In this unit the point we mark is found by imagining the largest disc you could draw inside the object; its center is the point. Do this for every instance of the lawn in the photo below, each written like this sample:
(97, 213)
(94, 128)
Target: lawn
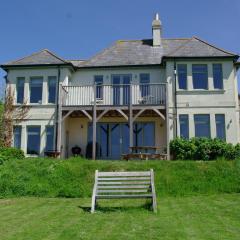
(193, 217)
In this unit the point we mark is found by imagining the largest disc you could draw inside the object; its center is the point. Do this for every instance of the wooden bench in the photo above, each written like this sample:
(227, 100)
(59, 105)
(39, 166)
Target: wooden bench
(110, 185)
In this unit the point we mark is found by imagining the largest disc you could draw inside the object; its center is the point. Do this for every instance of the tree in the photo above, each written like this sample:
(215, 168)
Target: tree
(1, 123)
(12, 115)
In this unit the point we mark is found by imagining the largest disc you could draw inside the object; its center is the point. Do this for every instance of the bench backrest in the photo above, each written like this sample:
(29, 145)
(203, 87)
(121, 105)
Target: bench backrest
(123, 184)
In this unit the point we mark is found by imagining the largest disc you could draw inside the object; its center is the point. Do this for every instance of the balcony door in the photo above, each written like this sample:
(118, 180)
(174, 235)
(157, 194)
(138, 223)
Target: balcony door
(121, 89)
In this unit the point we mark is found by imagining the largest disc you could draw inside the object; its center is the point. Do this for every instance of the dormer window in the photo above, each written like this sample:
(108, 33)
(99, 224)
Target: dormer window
(36, 85)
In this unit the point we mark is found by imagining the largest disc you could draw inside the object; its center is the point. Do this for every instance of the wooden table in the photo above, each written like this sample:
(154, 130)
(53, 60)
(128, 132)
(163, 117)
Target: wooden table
(145, 149)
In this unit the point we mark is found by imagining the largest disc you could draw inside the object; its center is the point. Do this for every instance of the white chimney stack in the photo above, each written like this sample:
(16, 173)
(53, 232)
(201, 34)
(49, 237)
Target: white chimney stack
(157, 31)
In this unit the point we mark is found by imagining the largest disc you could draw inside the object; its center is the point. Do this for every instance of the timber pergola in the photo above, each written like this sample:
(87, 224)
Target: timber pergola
(96, 111)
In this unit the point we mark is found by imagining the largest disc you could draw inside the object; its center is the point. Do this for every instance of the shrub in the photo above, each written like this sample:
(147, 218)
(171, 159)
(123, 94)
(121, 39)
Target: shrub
(10, 153)
(203, 149)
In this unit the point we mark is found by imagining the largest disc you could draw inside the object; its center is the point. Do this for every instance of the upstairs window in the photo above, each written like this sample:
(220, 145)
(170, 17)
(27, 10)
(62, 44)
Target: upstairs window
(49, 138)
(17, 133)
(182, 76)
(200, 76)
(33, 140)
(52, 89)
(144, 84)
(220, 126)
(20, 89)
(99, 88)
(217, 76)
(36, 89)
(202, 125)
(184, 126)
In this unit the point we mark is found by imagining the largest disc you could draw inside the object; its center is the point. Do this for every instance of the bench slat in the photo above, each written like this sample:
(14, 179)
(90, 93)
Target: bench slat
(124, 196)
(124, 183)
(123, 187)
(123, 191)
(123, 178)
(133, 174)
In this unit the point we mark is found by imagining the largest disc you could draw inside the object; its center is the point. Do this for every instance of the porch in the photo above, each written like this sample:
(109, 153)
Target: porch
(111, 116)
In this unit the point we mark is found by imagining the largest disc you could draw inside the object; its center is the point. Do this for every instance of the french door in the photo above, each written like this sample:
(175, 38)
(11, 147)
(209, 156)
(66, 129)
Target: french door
(113, 138)
(121, 89)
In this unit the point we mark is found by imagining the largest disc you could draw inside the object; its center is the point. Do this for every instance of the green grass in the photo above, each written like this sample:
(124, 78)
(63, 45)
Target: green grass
(193, 217)
(74, 177)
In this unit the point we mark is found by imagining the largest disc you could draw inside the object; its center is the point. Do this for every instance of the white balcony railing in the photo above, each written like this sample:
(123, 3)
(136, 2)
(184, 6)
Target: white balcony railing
(139, 94)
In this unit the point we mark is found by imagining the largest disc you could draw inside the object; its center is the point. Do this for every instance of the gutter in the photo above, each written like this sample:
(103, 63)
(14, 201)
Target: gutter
(175, 97)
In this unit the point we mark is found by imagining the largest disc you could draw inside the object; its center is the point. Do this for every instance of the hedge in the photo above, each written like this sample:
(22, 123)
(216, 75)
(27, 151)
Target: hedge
(10, 154)
(203, 149)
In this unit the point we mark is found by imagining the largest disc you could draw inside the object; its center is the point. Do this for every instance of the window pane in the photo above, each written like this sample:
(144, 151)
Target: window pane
(217, 76)
(184, 126)
(220, 126)
(49, 138)
(144, 84)
(202, 125)
(200, 76)
(52, 88)
(36, 90)
(20, 90)
(99, 89)
(17, 133)
(182, 76)
(33, 140)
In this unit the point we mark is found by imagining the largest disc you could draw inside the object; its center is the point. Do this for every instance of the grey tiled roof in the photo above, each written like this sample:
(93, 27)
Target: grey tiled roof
(141, 52)
(130, 53)
(44, 57)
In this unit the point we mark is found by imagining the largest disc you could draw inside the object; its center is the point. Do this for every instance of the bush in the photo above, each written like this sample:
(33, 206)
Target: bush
(203, 149)
(10, 154)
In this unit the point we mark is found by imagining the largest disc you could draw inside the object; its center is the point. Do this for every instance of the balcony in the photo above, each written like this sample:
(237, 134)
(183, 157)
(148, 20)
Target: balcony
(115, 95)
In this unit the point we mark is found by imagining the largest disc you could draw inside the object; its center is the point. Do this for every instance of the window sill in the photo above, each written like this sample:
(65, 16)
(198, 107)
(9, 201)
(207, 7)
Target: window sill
(200, 91)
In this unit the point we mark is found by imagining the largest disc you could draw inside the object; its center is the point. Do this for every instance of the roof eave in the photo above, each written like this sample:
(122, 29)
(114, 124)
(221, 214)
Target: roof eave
(119, 66)
(4, 66)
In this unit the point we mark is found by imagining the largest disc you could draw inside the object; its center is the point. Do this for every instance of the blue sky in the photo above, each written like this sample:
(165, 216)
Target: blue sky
(77, 29)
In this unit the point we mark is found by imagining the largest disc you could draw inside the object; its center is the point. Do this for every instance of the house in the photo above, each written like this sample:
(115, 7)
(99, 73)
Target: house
(134, 93)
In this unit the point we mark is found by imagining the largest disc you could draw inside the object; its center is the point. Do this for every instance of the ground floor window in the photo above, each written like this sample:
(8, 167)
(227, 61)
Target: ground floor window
(17, 135)
(220, 126)
(202, 125)
(113, 138)
(33, 140)
(184, 126)
(49, 138)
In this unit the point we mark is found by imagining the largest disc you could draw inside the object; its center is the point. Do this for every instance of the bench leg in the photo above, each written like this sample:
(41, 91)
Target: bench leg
(93, 204)
(154, 203)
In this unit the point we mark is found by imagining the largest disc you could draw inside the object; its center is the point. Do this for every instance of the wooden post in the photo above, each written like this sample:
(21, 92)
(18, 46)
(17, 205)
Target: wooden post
(59, 128)
(167, 122)
(94, 122)
(130, 119)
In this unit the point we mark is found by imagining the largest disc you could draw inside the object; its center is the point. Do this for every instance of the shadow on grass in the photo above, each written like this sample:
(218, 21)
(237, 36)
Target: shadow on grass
(108, 209)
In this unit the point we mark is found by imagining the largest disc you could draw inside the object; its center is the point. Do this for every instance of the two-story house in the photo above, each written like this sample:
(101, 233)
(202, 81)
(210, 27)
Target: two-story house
(134, 93)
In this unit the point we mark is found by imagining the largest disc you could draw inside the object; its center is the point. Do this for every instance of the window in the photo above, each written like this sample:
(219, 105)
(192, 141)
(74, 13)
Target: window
(52, 89)
(33, 140)
(20, 89)
(220, 126)
(144, 81)
(36, 90)
(99, 88)
(17, 133)
(49, 138)
(202, 125)
(217, 76)
(182, 76)
(184, 126)
(200, 76)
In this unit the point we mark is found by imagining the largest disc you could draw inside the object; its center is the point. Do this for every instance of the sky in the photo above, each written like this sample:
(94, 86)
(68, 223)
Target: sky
(78, 29)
